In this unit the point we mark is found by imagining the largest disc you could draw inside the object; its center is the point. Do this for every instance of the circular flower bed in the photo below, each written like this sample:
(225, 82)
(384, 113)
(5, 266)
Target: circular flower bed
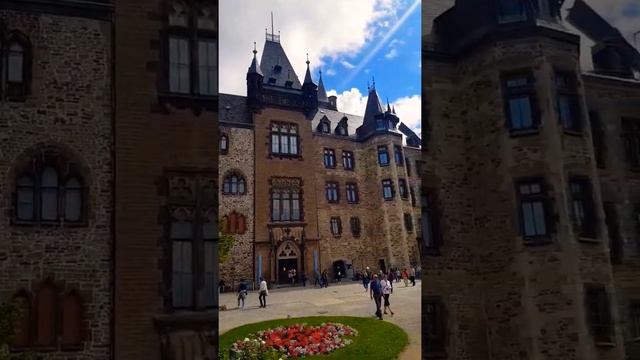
(295, 341)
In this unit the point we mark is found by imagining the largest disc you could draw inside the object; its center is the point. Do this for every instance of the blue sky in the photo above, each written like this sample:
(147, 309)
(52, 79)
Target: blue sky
(351, 41)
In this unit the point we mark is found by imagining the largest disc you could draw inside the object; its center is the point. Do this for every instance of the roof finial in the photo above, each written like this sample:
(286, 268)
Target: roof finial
(272, 32)
(373, 79)
(308, 60)
(254, 49)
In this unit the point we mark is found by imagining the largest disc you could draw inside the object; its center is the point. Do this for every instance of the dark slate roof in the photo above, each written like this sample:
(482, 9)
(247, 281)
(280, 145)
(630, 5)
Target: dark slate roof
(322, 93)
(583, 17)
(307, 76)
(353, 121)
(373, 107)
(273, 54)
(234, 110)
(254, 68)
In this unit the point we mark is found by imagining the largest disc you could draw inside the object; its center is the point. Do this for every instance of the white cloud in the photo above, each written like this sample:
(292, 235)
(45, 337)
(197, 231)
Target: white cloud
(408, 108)
(331, 29)
(613, 12)
(347, 64)
(331, 72)
(391, 54)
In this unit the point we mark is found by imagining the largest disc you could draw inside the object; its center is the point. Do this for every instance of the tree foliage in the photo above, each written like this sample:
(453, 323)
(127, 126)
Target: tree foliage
(225, 243)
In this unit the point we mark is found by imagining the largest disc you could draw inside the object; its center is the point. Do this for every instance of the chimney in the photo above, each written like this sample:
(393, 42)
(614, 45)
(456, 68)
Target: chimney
(333, 102)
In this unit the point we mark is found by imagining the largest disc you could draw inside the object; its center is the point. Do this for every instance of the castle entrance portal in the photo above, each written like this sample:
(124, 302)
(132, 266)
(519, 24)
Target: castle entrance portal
(288, 259)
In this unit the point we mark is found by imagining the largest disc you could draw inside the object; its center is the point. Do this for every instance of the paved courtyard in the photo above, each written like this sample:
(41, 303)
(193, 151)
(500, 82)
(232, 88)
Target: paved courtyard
(346, 299)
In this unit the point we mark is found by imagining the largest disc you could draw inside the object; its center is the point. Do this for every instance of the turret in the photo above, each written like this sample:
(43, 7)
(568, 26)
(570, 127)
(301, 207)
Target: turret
(310, 92)
(254, 82)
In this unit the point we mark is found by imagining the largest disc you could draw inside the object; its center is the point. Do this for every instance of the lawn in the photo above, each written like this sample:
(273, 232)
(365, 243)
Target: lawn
(377, 340)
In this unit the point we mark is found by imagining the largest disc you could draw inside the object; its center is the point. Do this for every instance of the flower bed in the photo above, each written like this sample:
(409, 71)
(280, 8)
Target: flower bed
(294, 341)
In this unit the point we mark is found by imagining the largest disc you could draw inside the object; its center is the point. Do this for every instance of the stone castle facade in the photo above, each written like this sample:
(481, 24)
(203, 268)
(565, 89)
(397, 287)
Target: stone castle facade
(533, 111)
(305, 186)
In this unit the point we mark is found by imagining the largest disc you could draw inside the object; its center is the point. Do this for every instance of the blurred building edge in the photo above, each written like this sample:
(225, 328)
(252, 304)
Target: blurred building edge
(531, 241)
(109, 204)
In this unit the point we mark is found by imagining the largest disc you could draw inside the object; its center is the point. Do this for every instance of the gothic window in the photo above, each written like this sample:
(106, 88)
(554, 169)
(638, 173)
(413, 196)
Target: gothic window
(49, 190)
(46, 317)
(397, 152)
(348, 160)
(520, 102)
(402, 187)
(286, 199)
(234, 223)
(17, 66)
(387, 189)
(355, 226)
(71, 318)
(284, 140)
(599, 313)
(568, 102)
(192, 54)
(583, 211)
(331, 192)
(182, 258)
(434, 324)
(352, 193)
(336, 226)
(383, 155)
(535, 209)
(234, 184)
(329, 158)
(224, 144)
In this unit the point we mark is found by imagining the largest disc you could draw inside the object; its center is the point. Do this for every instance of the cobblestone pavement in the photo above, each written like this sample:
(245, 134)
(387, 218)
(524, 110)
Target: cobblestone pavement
(346, 299)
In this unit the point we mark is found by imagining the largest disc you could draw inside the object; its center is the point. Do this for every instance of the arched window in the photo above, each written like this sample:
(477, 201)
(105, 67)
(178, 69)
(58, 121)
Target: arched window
(46, 308)
(21, 332)
(17, 65)
(49, 190)
(234, 184)
(72, 329)
(224, 144)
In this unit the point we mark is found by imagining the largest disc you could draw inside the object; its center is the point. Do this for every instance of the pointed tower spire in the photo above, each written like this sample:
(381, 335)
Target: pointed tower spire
(307, 76)
(393, 110)
(254, 68)
(322, 93)
(388, 106)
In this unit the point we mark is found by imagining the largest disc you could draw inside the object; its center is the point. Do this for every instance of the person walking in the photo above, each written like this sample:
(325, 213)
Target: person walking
(325, 279)
(242, 292)
(390, 280)
(397, 275)
(365, 279)
(375, 291)
(264, 292)
(419, 271)
(304, 280)
(405, 277)
(386, 291)
(412, 276)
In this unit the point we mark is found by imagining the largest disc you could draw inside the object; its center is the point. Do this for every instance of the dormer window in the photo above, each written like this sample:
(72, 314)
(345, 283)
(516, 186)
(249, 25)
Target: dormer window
(272, 81)
(510, 11)
(342, 130)
(324, 127)
(277, 69)
(288, 84)
(380, 124)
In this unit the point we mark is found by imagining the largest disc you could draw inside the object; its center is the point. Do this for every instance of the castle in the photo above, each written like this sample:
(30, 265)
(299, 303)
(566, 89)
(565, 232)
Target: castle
(309, 188)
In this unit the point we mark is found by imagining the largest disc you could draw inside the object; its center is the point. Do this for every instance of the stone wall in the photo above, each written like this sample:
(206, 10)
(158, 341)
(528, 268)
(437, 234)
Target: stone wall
(69, 109)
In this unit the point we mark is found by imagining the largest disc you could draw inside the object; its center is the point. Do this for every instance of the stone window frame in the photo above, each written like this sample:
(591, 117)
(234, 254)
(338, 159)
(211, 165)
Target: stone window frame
(403, 189)
(17, 92)
(528, 90)
(62, 291)
(354, 189)
(412, 196)
(383, 149)
(599, 314)
(634, 319)
(356, 226)
(203, 203)
(332, 188)
(280, 133)
(581, 190)
(388, 183)
(224, 144)
(598, 138)
(407, 164)
(566, 85)
(348, 155)
(194, 100)
(543, 196)
(31, 164)
(293, 185)
(398, 155)
(612, 222)
(436, 325)
(329, 158)
(228, 178)
(630, 131)
(335, 225)
(430, 222)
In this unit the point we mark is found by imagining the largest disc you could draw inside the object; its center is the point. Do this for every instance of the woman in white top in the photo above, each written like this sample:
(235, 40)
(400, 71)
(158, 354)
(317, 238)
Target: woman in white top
(264, 291)
(386, 291)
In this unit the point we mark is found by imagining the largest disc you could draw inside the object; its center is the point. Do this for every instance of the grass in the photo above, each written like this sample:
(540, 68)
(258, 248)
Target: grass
(376, 340)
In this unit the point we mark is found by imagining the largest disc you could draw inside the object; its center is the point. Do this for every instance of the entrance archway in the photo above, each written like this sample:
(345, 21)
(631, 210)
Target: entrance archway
(288, 256)
(339, 266)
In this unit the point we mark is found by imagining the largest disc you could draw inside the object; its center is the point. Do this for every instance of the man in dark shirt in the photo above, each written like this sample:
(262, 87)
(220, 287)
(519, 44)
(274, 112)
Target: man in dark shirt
(375, 291)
